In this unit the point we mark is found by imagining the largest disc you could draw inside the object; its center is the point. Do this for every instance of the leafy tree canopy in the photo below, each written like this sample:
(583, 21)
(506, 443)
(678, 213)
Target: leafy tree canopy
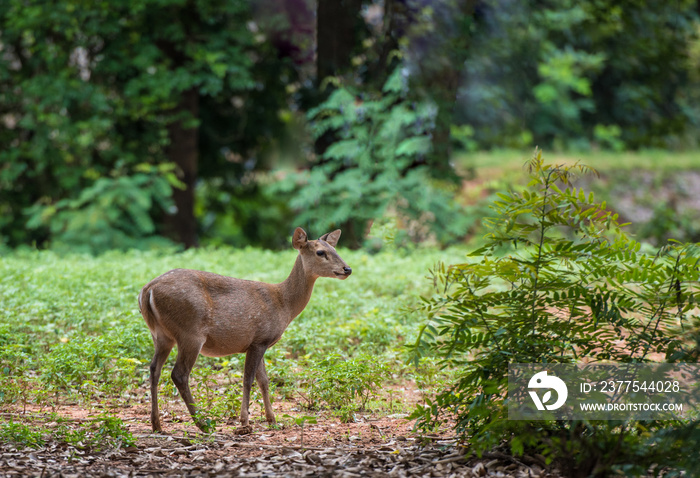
(88, 90)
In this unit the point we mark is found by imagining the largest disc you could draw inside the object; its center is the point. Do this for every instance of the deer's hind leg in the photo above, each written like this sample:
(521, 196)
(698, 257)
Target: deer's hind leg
(163, 346)
(187, 354)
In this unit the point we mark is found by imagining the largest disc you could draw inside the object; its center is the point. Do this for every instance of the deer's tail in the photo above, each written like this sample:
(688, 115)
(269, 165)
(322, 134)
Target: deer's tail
(147, 307)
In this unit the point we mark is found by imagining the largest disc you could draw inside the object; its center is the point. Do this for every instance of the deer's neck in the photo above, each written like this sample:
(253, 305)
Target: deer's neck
(297, 288)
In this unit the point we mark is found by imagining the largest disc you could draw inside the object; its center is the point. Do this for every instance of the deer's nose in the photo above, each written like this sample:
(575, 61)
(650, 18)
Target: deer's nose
(347, 271)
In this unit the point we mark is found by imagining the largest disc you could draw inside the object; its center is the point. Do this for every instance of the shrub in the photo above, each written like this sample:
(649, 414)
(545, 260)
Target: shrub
(345, 384)
(112, 213)
(105, 431)
(377, 165)
(110, 431)
(556, 282)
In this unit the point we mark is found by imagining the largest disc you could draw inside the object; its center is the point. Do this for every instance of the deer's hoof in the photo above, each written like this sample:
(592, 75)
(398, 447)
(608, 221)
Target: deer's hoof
(244, 430)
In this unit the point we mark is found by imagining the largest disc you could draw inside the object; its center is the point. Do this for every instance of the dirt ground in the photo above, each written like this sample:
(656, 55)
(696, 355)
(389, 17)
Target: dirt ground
(374, 445)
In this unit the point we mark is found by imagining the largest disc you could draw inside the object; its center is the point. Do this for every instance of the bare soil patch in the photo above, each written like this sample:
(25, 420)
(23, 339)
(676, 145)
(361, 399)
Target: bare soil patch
(374, 445)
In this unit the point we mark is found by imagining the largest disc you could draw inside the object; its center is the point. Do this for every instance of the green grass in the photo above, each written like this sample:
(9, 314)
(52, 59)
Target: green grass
(70, 328)
(57, 298)
(496, 162)
(105, 431)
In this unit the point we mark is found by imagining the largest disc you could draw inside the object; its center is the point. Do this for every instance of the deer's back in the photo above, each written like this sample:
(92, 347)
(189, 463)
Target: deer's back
(230, 313)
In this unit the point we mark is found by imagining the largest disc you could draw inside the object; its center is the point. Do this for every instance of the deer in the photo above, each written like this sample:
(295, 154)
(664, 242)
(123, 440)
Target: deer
(214, 315)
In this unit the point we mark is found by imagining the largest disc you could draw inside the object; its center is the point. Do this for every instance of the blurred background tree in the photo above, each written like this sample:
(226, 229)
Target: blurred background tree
(575, 74)
(133, 123)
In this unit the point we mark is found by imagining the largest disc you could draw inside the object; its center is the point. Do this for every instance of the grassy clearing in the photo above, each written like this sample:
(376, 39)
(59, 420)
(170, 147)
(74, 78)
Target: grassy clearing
(655, 191)
(70, 329)
(500, 162)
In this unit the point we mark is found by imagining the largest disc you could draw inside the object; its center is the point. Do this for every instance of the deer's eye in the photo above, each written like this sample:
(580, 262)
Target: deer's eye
(320, 253)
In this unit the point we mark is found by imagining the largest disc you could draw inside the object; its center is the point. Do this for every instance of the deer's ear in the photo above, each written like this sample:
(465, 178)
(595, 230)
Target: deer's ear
(332, 237)
(299, 238)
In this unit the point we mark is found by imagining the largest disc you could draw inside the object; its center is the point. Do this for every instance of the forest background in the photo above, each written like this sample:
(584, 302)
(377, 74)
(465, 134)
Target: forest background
(137, 123)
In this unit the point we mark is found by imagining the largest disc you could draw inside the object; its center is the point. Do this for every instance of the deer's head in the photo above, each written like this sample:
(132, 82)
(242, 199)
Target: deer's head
(320, 257)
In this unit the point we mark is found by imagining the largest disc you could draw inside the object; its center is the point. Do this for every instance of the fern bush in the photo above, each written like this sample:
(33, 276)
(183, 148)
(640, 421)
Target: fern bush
(557, 281)
(377, 163)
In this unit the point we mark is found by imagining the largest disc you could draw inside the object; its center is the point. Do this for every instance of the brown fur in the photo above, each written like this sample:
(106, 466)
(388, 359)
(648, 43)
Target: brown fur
(215, 315)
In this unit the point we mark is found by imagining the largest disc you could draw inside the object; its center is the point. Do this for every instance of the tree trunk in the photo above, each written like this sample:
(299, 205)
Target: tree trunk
(443, 80)
(337, 24)
(337, 31)
(184, 152)
(397, 18)
(338, 27)
(444, 85)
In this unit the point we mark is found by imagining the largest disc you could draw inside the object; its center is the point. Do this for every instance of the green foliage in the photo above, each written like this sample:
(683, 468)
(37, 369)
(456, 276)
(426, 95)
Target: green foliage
(431, 377)
(679, 443)
(16, 361)
(463, 138)
(556, 282)
(668, 222)
(88, 95)
(236, 214)
(376, 164)
(219, 400)
(608, 137)
(21, 435)
(105, 432)
(112, 432)
(111, 213)
(345, 384)
(582, 74)
(89, 365)
(302, 420)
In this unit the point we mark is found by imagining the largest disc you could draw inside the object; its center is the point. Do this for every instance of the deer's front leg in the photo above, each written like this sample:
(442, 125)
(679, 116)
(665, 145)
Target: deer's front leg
(264, 384)
(253, 358)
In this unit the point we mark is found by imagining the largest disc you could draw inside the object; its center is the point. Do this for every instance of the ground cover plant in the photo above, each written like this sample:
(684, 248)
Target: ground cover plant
(74, 358)
(71, 331)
